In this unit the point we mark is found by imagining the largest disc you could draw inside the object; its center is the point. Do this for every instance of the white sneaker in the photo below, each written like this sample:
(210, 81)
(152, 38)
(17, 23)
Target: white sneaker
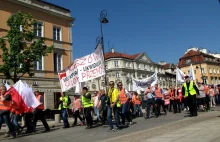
(131, 123)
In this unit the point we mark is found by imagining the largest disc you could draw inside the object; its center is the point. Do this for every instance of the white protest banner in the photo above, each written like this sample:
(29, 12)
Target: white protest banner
(83, 69)
(93, 65)
(69, 77)
(142, 84)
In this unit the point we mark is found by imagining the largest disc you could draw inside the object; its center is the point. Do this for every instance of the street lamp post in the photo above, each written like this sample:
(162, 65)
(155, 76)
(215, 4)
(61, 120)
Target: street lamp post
(103, 20)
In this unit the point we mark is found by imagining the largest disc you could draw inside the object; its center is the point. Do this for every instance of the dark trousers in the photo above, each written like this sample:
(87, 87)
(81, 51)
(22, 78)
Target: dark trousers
(191, 100)
(207, 102)
(75, 116)
(15, 119)
(64, 115)
(176, 106)
(5, 117)
(28, 122)
(151, 102)
(124, 113)
(171, 105)
(88, 116)
(39, 114)
(104, 115)
(159, 103)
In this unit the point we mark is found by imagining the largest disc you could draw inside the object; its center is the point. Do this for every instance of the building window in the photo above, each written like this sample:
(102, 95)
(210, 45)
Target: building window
(116, 63)
(57, 62)
(38, 65)
(131, 64)
(188, 61)
(57, 33)
(126, 64)
(203, 70)
(214, 71)
(139, 66)
(217, 71)
(210, 70)
(38, 29)
(117, 74)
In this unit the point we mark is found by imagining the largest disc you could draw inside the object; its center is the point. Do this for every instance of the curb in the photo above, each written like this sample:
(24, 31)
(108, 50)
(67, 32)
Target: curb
(163, 129)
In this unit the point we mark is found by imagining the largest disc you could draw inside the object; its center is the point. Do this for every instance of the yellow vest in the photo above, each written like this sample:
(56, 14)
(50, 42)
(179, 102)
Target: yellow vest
(113, 95)
(65, 102)
(192, 91)
(86, 102)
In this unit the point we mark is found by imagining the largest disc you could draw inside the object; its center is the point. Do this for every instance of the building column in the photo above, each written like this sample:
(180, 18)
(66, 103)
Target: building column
(49, 100)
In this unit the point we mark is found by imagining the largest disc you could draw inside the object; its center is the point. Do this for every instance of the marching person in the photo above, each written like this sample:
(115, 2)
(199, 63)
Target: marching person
(179, 99)
(28, 114)
(5, 103)
(190, 91)
(76, 109)
(97, 103)
(172, 98)
(87, 105)
(137, 103)
(104, 99)
(124, 98)
(202, 96)
(159, 99)
(150, 101)
(212, 96)
(39, 113)
(114, 105)
(64, 105)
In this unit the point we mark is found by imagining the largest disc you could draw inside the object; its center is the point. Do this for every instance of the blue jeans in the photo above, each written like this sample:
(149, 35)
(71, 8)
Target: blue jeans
(125, 113)
(137, 110)
(15, 120)
(5, 117)
(64, 116)
(96, 110)
(116, 114)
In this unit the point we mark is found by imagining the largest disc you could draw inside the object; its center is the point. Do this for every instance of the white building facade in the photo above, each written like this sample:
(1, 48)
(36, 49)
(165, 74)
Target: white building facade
(123, 68)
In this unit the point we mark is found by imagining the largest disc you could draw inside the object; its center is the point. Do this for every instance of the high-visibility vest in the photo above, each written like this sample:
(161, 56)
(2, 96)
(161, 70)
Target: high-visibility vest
(158, 93)
(137, 100)
(191, 90)
(41, 106)
(6, 105)
(171, 93)
(65, 102)
(123, 99)
(87, 102)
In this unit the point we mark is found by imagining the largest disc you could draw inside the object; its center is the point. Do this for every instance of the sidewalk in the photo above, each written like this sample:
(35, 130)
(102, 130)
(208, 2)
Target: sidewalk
(206, 131)
(204, 128)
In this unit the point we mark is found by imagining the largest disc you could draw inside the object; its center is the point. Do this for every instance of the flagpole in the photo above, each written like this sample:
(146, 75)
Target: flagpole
(176, 82)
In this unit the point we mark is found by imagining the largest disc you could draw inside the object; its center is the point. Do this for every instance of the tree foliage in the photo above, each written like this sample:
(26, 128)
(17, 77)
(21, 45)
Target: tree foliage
(21, 48)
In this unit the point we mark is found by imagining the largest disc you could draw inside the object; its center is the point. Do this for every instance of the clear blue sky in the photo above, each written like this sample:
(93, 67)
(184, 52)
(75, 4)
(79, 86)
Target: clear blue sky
(164, 29)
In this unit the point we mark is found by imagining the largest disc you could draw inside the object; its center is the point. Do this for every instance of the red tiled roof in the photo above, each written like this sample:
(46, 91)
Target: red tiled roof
(120, 55)
(191, 53)
(168, 66)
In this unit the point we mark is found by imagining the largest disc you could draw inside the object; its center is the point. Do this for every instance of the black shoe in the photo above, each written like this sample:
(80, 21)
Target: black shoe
(66, 127)
(46, 131)
(147, 117)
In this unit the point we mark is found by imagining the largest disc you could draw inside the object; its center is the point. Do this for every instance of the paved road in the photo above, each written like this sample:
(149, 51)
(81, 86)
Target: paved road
(99, 133)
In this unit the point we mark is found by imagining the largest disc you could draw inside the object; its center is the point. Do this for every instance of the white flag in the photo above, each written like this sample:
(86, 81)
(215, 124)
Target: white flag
(180, 76)
(191, 73)
(142, 84)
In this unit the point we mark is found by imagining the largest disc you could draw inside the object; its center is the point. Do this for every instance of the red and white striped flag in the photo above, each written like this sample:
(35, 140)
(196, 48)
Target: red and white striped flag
(23, 96)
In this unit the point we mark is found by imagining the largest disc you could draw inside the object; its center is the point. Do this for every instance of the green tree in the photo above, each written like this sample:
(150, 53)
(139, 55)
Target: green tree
(21, 48)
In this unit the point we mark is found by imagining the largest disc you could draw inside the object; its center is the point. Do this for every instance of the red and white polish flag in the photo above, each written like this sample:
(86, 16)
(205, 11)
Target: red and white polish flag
(23, 96)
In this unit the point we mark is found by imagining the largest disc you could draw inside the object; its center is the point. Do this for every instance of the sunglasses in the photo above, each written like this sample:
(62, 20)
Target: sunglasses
(111, 84)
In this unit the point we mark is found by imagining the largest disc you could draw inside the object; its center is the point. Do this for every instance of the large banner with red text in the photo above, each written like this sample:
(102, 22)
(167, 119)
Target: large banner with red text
(83, 69)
